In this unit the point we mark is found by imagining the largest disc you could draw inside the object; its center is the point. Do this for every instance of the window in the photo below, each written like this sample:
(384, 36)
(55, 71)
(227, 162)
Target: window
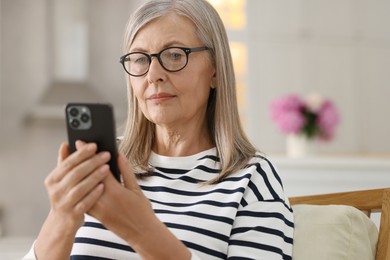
(233, 14)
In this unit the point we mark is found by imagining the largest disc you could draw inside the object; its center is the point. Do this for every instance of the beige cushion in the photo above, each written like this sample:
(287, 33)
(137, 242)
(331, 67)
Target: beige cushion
(333, 232)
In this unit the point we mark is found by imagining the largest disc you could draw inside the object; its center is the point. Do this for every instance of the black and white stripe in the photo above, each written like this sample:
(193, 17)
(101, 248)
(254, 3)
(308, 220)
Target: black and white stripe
(246, 216)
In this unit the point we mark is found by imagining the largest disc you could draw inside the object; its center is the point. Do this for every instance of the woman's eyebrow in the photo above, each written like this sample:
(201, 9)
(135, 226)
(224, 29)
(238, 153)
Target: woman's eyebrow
(166, 45)
(173, 44)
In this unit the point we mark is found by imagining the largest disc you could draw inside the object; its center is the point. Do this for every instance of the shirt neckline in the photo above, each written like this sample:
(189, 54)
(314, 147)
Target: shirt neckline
(157, 159)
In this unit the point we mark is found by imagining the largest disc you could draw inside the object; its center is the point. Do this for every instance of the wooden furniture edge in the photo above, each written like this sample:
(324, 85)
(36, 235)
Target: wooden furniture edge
(357, 199)
(375, 200)
(383, 246)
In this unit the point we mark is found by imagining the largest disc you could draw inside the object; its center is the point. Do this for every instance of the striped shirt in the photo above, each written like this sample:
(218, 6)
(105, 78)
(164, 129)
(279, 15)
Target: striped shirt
(246, 216)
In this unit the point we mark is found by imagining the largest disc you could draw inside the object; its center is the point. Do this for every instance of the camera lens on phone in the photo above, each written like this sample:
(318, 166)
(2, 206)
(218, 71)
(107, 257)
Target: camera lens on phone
(75, 123)
(84, 118)
(79, 116)
(74, 111)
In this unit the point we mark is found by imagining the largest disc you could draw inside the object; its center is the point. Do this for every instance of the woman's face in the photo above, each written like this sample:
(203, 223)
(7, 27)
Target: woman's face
(179, 98)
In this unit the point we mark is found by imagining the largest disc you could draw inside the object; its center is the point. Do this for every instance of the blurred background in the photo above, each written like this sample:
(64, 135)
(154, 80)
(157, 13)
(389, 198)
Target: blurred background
(56, 51)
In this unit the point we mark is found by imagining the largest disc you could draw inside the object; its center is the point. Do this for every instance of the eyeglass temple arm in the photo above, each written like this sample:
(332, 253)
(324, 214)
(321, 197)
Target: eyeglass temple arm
(123, 59)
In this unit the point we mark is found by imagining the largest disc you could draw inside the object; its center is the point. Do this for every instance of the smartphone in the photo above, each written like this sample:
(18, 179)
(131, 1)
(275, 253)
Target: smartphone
(93, 122)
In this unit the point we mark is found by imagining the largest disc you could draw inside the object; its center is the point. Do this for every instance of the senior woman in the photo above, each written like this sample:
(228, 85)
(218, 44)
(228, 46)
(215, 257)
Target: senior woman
(193, 187)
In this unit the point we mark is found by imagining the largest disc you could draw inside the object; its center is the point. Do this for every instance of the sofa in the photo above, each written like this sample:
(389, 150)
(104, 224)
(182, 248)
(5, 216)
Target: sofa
(338, 226)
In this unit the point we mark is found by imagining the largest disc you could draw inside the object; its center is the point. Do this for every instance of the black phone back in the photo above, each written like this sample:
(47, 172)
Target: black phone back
(93, 122)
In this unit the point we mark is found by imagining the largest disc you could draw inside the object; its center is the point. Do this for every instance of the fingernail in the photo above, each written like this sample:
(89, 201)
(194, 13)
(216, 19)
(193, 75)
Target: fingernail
(91, 146)
(105, 168)
(105, 155)
(79, 142)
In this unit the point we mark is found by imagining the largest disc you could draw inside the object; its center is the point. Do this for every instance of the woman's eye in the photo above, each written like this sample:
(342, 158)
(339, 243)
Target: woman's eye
(175, 56)
(140, 60)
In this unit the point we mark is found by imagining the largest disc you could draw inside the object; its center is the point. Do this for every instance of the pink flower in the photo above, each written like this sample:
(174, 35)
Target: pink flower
(291, 122)
(286, 112)
(312, 117)
(328, 119)
(314, 102)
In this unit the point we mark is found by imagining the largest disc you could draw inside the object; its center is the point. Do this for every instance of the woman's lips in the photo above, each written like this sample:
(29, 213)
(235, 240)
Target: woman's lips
(160, 97)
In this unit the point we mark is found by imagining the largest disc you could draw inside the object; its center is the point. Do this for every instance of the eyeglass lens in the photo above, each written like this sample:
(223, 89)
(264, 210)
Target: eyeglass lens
(171, 59)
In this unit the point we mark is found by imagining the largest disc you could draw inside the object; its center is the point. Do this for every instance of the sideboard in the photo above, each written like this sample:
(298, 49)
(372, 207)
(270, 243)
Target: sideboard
(324, 174)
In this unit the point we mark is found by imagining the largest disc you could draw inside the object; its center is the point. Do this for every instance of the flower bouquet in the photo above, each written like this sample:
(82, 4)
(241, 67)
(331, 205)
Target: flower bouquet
(313, 117)
(304, 119)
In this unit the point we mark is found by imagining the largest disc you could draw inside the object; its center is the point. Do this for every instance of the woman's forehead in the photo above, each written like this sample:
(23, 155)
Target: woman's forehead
(165, 31)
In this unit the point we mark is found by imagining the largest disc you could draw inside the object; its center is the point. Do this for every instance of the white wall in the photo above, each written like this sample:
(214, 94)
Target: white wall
(23, 61)
(340, 49)
(28, 149)
(24, 78)
(294, 47)
(1, 71)
(106, 27)
(70, 40)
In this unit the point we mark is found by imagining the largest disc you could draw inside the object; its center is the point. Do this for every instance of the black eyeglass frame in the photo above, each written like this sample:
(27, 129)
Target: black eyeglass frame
(187, 51)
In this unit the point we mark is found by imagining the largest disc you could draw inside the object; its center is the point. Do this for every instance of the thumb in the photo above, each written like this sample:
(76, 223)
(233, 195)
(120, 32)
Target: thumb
(63, 152)
(127, 173)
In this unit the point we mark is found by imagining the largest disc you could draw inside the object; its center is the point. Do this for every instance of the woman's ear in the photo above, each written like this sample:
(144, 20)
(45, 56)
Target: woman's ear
(213, 81)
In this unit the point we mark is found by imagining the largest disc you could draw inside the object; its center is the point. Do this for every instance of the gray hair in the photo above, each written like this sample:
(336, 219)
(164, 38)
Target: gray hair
(233, 147)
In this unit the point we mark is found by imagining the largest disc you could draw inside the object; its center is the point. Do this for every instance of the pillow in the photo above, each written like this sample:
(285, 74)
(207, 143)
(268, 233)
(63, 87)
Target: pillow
(333, 232)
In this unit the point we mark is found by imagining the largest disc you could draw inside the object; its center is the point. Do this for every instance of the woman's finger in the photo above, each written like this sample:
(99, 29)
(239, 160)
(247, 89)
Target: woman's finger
(85, 168)
(70, 161)
(68, 193)
(63, 152)
(78, 192)
(127, 173)
(77, 157)
(84, 205)
(79, 144)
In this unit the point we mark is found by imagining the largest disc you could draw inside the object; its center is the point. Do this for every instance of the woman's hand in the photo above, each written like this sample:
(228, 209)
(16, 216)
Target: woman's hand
(126, 211)
(73, 187)
(76, 183)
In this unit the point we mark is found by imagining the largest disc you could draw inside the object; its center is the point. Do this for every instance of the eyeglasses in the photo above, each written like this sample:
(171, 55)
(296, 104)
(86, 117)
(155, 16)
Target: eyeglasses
(171, 59)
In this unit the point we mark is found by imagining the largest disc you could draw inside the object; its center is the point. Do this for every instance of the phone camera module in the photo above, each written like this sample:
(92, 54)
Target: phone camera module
(74, 112)
(75, 123)
(79, 117)
(84, 118)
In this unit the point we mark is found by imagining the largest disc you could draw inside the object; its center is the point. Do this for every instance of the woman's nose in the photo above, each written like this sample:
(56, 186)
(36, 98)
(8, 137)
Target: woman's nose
(156, 71)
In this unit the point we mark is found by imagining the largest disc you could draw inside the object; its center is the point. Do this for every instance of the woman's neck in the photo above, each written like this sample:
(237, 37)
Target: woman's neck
(181, 142)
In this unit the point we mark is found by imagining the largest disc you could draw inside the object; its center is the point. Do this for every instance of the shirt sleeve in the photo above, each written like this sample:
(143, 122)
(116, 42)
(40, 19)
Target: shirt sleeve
(194, 256)
(31, 254)
(264, 225)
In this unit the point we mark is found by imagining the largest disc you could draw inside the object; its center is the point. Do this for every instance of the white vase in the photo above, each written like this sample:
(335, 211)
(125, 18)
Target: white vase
(298, 146)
